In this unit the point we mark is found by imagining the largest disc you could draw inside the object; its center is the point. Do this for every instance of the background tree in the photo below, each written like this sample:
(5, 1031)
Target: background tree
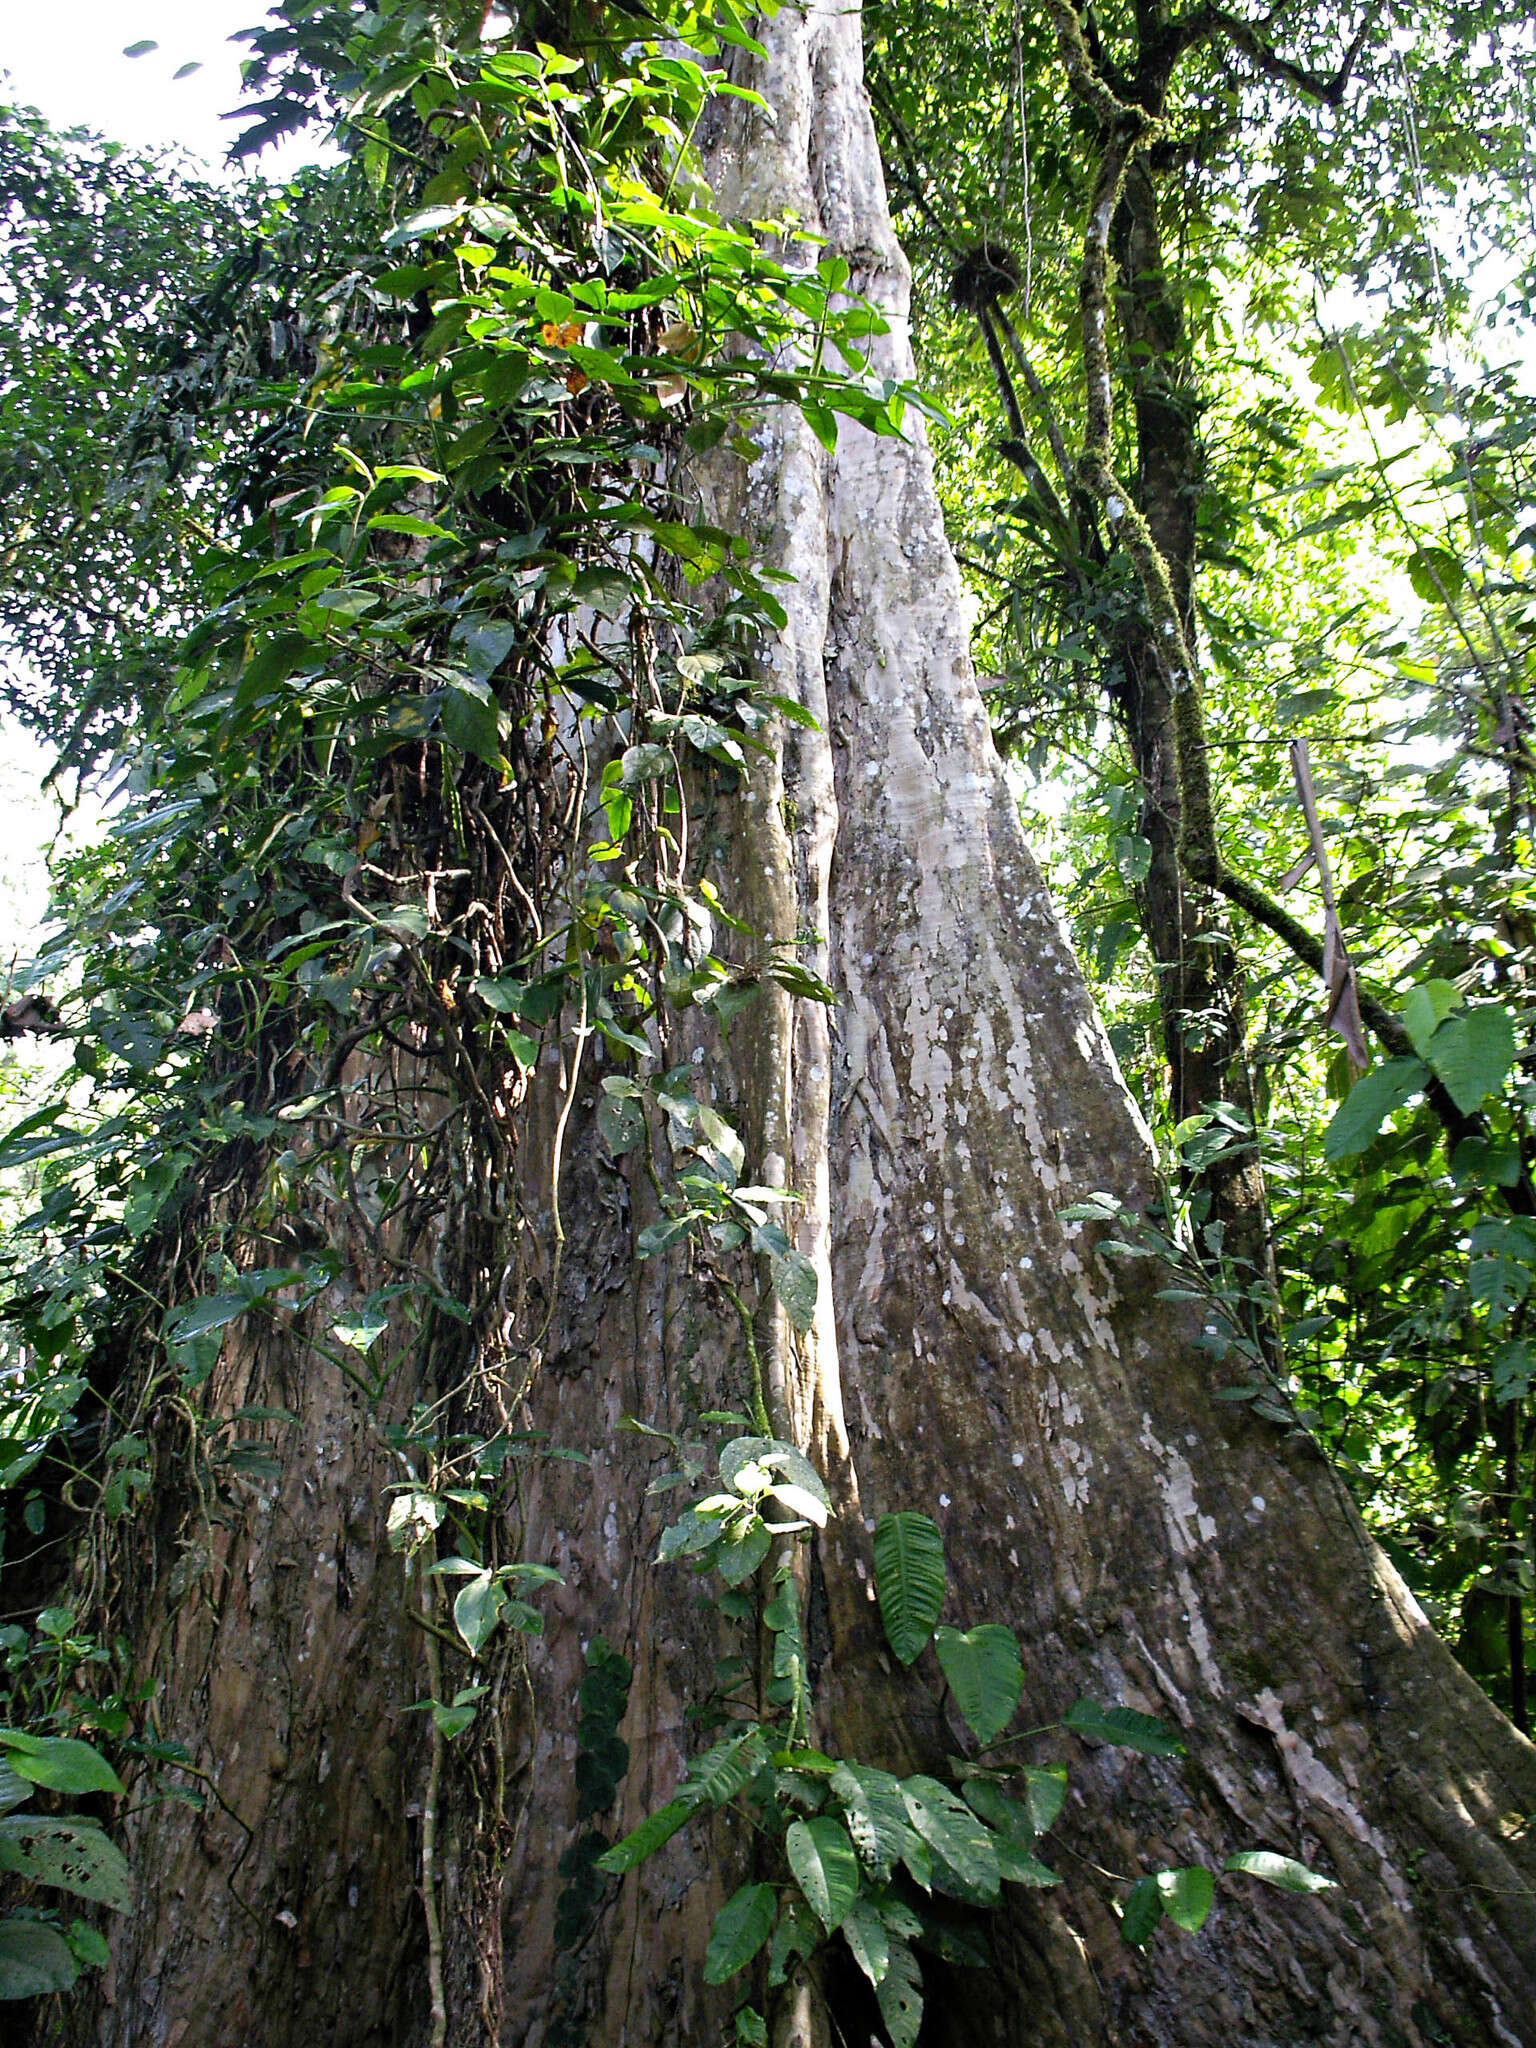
(1229, 387)
(495, 863)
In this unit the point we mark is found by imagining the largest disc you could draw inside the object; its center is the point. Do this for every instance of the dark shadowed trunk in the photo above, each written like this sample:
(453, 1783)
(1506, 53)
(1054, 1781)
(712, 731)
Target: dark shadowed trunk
(972, 1357)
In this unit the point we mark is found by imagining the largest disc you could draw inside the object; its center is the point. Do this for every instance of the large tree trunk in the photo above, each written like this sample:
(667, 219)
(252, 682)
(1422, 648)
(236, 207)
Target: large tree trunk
(972, 1357)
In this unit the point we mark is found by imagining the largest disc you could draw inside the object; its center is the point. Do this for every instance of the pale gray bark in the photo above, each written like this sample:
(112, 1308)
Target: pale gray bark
(972, 1357)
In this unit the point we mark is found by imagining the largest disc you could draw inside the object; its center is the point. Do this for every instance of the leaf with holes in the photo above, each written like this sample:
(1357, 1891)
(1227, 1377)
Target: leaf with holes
(876, 1814)
(900, 1993)
(909, 1580)
(71, 1855)
(825, 1868)
(984, 1673)
(954, 1833)
(866, 1935)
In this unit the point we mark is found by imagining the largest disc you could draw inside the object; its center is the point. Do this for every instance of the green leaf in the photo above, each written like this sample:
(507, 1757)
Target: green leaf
(1123, 1725)
(741, 1927)
(865, 1933)
(1425, 1009)
(1046, 1793)
(900, 1994)
(477, 1609)
(1472, 1054)
(197, 1318)
(984, 1673)
(728, 1768)
(1022, 1866)
(909, 1580)
(1283, 1871)
(1141, 1912)
(73, 1856)
(825, 1868)
(876, 1814)
(59, 1762)
(642, 1841)
(1187, 1895)
(794, 1282)
(796, 1935)
(35, 1960)
(1006, 1816)
(745, 1544)
(953, 1832)
(1369, 1103)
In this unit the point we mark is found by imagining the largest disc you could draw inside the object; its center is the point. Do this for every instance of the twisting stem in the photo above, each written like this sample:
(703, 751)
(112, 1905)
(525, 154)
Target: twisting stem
(434, 1922)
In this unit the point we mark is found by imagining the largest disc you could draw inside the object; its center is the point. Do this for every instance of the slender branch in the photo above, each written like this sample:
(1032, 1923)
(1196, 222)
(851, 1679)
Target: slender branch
(1207, 21)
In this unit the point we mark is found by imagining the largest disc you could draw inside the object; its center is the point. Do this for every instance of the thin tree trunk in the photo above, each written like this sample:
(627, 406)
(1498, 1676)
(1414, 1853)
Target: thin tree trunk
(972, 1357)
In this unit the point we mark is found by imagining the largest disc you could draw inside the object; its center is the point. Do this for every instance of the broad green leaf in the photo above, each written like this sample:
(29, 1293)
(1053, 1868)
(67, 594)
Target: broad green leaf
(1123, 1725)
(1141, 1912)
(1022, 1866)
(59, 1762)
(900, 1994)
(1425, 1009)
(1472, 1054)
(689, 1534)
(14, 1790)
(1369, 1103)
(909, 1580)
(865, 1933)
(35, 1960)
(1011, 1821)
(1045, 1794)
(1186, 1895)
(984, 1673)
(477, 1609)
(825, 1868)
(741, 1927)
(954, 1833)
(726, 1769)
(797, 1934)
(197, 1318)
(1284, 1871)
(794, 1282)
(655, 1829)
(71, 1855)
(744, 1546)
(876, 1814)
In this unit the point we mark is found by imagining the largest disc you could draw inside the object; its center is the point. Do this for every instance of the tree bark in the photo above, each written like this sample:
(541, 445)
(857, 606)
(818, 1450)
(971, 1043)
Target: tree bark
(972, 1356)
